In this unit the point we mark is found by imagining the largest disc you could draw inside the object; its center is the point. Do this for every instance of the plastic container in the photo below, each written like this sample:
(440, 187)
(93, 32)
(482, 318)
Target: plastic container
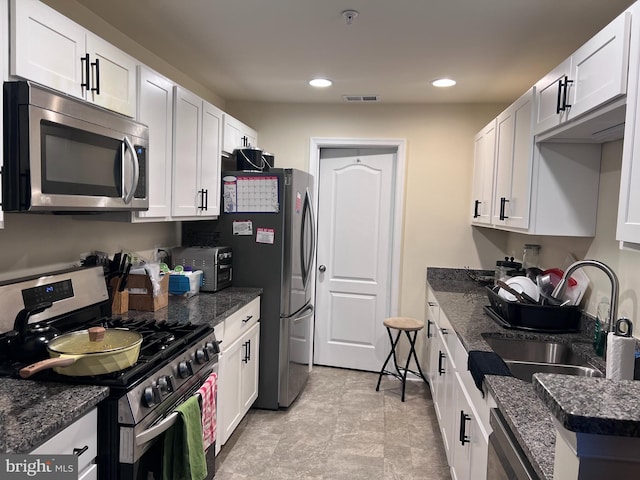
(537, 318)
(185, 284)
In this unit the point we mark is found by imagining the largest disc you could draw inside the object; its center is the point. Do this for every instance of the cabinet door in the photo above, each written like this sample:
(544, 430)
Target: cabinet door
(470, 445)
(483, 171)
(237, 134)
(80, 435)
(444, 401)
(628, 229)
(549, 98)
(211, 158)
(599, 67)
(249, 367)
(113, 77)
(514, 159)
(187, 136)
(229, 400)
(47, 47)
(155, 109)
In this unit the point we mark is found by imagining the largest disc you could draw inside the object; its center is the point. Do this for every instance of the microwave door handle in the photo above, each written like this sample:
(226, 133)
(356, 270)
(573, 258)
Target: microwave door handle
(127, 197)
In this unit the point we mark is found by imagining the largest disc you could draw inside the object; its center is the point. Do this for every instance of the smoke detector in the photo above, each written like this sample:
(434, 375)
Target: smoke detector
(349, 16)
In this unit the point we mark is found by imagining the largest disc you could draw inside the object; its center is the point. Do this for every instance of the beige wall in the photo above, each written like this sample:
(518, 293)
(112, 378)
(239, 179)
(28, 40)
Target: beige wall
(603, 246)
(436, 228)
(439, 142)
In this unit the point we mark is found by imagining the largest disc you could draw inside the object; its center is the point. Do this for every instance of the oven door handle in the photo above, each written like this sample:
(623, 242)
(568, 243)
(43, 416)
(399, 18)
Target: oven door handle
(157, 430)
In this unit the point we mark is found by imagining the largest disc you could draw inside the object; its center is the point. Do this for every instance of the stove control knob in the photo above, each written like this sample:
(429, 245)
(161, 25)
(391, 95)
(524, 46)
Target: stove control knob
(151, 396)
(212, 348)
(166, 384)
(202, 355)
(185, 369)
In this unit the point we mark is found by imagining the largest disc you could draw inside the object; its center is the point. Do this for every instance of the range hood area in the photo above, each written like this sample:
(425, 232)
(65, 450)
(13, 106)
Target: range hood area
(605, 124)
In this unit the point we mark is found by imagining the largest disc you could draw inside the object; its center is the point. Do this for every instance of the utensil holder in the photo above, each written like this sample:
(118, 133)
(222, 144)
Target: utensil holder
(120, 303)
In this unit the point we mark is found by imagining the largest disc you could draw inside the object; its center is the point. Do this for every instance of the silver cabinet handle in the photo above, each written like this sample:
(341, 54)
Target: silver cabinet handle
(322, 268)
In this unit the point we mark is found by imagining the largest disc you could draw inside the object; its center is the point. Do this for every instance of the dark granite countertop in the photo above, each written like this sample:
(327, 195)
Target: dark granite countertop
(35, 411)
(31, 412)
(462, 301)
(204, 307)
(592, 405)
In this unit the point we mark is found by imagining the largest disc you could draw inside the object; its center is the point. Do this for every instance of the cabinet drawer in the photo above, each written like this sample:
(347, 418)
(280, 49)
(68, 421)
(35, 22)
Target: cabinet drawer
(241, 321)
(78, 435)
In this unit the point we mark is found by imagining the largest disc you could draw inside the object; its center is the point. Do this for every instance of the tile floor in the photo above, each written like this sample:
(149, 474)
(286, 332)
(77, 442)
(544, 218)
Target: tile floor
(340, 428)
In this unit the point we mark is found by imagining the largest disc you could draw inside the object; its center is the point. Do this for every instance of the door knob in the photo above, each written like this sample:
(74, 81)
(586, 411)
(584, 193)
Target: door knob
(322, 268)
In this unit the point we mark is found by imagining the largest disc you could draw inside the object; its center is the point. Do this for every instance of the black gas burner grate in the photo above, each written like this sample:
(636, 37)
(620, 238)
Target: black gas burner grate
(161, 341)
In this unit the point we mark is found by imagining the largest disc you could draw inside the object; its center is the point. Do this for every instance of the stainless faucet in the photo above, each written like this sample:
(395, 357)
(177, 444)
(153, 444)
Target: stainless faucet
(560, 288)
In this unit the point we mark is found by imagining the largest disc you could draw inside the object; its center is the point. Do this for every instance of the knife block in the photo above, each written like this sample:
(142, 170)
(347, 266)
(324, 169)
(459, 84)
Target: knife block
(120, 303)
(120, 300)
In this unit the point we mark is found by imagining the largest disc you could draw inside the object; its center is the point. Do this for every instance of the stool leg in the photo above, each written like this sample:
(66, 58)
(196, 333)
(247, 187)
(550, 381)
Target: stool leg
(392, 352)
(412, 351)
(406, 366)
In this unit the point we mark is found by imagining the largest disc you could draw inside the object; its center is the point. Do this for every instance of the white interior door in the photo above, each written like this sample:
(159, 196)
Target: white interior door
(355, 218)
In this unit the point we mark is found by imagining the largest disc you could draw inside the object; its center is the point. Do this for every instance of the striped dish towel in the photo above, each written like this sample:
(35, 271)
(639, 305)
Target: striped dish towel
(208, 392)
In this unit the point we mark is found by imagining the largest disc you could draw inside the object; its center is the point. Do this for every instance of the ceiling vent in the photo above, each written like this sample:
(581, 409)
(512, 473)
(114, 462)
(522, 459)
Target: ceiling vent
(361, 98)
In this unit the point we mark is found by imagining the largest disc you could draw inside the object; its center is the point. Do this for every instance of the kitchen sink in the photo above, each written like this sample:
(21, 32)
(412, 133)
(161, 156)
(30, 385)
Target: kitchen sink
(533, 351)
(525, 370)
(525, 357)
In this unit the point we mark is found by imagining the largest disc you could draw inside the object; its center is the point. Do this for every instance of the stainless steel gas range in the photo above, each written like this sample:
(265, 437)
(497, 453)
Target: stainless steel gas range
(175, 360)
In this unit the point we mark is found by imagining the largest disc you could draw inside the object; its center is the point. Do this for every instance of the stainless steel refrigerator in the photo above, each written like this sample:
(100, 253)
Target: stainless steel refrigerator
(267, 218)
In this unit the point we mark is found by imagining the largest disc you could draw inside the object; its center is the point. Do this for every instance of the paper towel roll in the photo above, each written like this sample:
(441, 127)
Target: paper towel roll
(620, 356)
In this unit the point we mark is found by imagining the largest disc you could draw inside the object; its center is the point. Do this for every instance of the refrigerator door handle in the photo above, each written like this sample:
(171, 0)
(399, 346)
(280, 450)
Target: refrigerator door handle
(307, 260)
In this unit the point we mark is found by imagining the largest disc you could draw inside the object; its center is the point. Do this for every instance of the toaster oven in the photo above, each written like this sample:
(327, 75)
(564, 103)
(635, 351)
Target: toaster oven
(215, 263)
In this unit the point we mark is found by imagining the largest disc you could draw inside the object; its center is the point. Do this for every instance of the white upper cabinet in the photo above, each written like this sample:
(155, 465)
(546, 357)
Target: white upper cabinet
(236, 135)
(197, 131)
(628, 229)
(594, 75)
(50, 49)
(514, 157)
(113, 76)
(155, 109)
(549, 98)
(483, 174)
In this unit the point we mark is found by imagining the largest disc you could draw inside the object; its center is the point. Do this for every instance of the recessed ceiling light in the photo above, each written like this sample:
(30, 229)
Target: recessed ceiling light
(320, 82)
(443, 82)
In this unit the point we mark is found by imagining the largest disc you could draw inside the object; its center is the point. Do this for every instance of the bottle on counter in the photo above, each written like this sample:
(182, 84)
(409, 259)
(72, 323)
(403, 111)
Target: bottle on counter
(530, 256)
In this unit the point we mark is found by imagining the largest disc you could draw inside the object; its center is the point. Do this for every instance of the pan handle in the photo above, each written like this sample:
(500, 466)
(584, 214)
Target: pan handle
(61, 361)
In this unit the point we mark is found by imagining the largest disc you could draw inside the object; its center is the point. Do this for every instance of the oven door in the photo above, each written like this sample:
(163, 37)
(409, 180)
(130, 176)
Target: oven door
(141, 447)
(506, 460)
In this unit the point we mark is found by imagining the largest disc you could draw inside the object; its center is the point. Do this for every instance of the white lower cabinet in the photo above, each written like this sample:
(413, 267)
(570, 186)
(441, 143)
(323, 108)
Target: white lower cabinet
(461, 410)
(81, 439)
(238, 369)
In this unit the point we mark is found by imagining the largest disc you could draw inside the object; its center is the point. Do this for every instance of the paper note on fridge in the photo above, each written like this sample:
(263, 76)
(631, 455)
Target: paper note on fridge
(265, 235)
(243, 227)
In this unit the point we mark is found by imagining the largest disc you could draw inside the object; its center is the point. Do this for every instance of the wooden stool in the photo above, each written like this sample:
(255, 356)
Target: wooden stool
(408, 326)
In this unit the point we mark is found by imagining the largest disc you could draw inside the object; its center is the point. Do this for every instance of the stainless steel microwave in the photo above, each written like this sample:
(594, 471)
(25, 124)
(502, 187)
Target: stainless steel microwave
(66, 155)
